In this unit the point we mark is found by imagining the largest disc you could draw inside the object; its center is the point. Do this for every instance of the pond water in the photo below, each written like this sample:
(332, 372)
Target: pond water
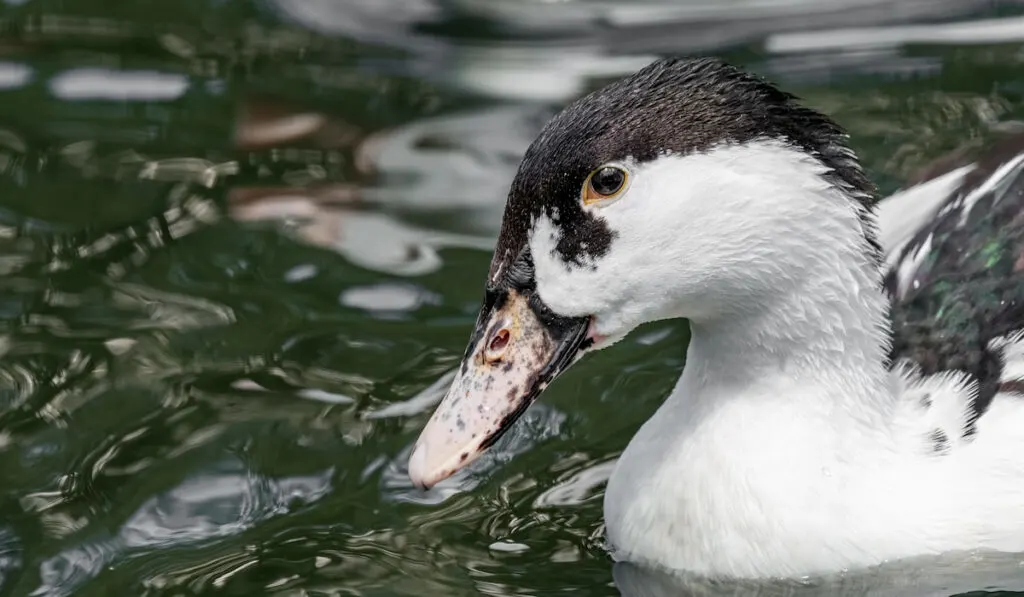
(242, 245)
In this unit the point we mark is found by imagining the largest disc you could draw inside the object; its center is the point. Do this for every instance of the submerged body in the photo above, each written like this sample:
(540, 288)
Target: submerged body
(850, 393)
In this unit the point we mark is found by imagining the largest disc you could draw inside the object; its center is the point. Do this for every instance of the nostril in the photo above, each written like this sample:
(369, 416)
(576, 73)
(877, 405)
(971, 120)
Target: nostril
(499, 340)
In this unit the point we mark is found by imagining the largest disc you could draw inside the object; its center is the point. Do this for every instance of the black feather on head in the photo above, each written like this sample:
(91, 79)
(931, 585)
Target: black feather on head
(673, 105)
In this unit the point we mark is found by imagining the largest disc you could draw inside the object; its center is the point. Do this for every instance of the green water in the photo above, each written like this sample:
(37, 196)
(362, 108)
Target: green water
(240, 251)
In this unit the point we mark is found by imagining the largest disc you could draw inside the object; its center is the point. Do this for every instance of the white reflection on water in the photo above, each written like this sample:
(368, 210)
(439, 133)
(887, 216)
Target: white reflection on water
(553, 51)
(987, 31)
(458, 166)
(920, 577)
(376, 21)
(372, 240)
(423, 401)
(14, 75)
(578, 488)
(539, 72)
(387, 298)
(218, 503)
(463, 160)
(110, 84)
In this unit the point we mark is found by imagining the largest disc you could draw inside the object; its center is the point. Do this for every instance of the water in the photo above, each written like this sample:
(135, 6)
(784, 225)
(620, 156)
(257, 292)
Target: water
(241, 249)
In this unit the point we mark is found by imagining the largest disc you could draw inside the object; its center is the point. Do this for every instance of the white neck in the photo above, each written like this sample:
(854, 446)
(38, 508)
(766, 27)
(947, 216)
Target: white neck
(826, 331)
(753, 447)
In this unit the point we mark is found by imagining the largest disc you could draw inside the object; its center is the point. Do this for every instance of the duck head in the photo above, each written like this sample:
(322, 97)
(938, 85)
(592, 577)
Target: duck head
(659, 196)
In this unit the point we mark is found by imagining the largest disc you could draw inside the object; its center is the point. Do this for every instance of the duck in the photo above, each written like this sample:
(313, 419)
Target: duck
(852, 389)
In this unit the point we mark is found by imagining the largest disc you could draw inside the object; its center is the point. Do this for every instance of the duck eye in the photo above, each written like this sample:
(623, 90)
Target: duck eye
(604, 183)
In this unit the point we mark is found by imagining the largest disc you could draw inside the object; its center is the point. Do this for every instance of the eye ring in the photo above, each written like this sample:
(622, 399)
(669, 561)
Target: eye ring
(604, 183)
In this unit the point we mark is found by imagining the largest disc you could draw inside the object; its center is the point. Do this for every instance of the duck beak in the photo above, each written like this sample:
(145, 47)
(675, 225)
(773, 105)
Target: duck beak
(518, 347)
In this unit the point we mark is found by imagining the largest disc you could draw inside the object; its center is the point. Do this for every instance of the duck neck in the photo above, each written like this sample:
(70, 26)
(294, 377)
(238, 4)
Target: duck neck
(780, 424)
(781, 418)
(817, 347)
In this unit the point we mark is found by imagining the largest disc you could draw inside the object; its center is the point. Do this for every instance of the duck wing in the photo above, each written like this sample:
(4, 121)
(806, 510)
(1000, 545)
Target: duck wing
(954, 247)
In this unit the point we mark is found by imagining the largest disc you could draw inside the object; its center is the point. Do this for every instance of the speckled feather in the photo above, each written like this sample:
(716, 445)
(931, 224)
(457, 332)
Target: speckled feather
(959, 283)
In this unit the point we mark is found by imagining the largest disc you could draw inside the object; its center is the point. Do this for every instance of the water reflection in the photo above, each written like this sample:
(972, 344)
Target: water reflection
(374, 241)
(223, 501)
(10, 556)
(461, 163)
(949, 575)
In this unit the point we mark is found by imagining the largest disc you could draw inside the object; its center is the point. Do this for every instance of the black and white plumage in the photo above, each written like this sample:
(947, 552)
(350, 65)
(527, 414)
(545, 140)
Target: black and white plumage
(849, 391)
(643, 117)
(957, 280)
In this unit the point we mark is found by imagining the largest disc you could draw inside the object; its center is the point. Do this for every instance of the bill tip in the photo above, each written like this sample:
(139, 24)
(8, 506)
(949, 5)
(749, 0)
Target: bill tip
(418, 467)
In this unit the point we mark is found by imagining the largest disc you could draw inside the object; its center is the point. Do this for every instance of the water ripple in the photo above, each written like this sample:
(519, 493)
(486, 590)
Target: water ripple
(538, 424)
(216, 504)
(11, 561)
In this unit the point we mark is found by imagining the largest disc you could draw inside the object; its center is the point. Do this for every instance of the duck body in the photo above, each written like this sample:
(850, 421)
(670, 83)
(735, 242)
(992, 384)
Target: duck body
(803, 477)
(851, 393)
